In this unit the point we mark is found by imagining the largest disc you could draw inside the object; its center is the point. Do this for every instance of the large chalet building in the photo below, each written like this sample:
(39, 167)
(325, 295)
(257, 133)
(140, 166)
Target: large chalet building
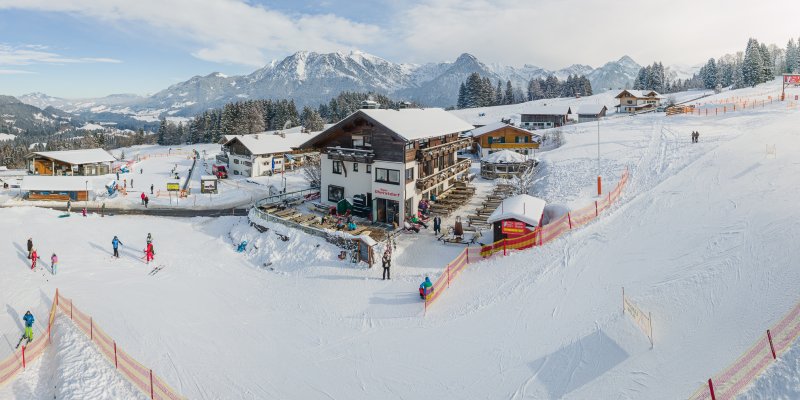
(633, 101)
(391, 159)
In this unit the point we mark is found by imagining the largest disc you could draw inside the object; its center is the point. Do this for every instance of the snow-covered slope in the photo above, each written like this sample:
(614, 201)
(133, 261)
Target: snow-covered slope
(704, 237)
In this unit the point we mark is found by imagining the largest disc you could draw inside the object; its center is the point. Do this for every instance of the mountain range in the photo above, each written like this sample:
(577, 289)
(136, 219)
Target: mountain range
(312, 78)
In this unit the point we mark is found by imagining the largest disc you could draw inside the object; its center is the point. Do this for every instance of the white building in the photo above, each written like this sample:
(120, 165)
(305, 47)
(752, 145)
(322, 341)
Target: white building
(390, 159)
(262, 153)
(632, 101)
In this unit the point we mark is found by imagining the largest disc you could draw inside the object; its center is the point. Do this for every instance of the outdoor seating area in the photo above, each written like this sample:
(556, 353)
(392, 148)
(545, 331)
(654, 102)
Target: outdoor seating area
(324, 222)
(453, 198)
(478, 220)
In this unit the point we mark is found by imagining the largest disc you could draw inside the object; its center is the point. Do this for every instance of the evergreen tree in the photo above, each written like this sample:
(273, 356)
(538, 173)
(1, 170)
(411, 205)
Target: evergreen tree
(498, 94)
(162, 132)
(753, 65)
(462, 94)
(792, 57)
(767, 72)
(509, 95)
(709, 74)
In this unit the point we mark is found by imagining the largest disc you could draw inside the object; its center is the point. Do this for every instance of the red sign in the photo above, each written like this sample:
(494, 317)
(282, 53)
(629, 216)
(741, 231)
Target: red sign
(384, 192)
(791, 79)
(513, 228)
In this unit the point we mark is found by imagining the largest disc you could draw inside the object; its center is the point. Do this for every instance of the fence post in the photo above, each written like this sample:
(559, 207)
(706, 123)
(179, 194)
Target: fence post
(569, 218)
(504, 247)
(596, 213)
(448, 275)
(711, 389)
(771, 346)
(467, 251)
(70, 309)
(23, 357)
(116, 364)
(151, 384)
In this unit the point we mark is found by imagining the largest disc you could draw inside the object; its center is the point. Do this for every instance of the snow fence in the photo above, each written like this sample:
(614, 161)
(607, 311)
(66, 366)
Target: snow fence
(744, 371)
(136, 373)
(540, 236)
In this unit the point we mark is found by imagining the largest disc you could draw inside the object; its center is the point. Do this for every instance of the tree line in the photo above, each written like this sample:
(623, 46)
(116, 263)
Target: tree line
(254, 116)
(758, 63)
(477, 91)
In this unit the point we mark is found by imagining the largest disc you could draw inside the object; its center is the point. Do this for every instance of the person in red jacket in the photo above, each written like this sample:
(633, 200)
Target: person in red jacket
(34, 257)
(143, 196)
(149, 252)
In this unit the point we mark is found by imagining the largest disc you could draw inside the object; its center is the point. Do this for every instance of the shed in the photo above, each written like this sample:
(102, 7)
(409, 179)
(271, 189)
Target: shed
(57, 188)
(71, 162)
(542, 117)
(516, 216)
(591, 112)
(208, 184)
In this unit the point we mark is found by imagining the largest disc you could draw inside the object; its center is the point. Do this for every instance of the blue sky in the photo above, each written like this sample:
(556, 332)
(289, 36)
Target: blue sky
(90, 48)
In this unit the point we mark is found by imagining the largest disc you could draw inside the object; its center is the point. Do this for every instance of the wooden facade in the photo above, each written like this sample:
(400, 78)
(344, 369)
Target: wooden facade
(78, 195)
(507, 136)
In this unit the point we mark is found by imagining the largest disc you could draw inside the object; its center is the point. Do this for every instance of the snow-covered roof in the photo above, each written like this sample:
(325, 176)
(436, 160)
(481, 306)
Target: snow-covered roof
(640, 93)
(267, 143)
(77, 157)
(56, 183)
(497, 126)
(522, 207)
(591, 109)
(208, 178)
(547, 110)
(504, 156)
(418, 123)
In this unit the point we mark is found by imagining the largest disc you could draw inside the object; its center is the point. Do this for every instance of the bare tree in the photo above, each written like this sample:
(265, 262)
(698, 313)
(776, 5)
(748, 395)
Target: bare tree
(312, 170)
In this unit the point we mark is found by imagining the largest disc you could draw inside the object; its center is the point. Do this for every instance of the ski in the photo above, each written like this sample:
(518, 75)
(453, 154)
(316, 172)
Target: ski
(155, 270)
(20, 341)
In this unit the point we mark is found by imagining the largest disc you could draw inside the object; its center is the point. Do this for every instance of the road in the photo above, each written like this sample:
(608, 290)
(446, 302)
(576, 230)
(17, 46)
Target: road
(160, 212)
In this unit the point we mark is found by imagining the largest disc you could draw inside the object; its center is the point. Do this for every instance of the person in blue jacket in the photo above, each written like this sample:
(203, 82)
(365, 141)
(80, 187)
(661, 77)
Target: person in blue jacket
(28, 318)
(116, 243)
(426, 288)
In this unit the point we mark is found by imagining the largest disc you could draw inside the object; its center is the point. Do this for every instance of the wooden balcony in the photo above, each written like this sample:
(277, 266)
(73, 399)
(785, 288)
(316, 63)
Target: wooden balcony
(354, 155)
(429, 153)
(432, 180)
(513, 145)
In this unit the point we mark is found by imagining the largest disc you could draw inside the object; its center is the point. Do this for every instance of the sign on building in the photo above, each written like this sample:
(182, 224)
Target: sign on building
(513, 228)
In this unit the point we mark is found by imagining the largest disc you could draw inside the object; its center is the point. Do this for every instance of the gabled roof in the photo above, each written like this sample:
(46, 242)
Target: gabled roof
(522, 207)
(477, 132)
(505, 157)
(408, 123)
(77, 157)
(266, 143)
(56, 183)
(591, 109)
(547, 110)
(640, 94)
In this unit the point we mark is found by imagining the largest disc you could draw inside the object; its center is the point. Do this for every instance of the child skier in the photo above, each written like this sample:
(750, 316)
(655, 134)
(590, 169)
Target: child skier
(149, 252)
(28, 318)
(34, 256)
(426, 288)
(116, 243)
(30, 247)
(53, 263)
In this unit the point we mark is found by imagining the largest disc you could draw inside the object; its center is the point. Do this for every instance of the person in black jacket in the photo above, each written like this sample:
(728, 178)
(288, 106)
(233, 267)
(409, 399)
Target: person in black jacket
(437, 225)
(30, 247)
(387, 263)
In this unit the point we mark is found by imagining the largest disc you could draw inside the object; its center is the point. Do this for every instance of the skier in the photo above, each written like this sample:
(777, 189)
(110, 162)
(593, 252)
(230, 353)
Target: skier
(387, 263)
(34, 257)
(142, 197)
(28, 318)
(426, 288)
(116, 243)
(437, 225)
(151, 188)
(697, 136)
(117, 175)
(30, 247)
(146, 201)
(149, 252)
(103, 210)
(131, 183)
(53, 263)
(69, 206)
(242, 246)
(83, 211)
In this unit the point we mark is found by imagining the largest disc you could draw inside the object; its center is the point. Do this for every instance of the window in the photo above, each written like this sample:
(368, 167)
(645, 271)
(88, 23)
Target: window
(630, 101)
(361, 141)
(355, 167)
(409, 174)
(369, 168)
(409, 146)
(247, 163)
(384, 175)
(235, 161)
(335, 193)
(337, 167)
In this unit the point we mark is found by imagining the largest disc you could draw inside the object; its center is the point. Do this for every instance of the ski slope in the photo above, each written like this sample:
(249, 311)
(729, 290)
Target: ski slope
(704, 237)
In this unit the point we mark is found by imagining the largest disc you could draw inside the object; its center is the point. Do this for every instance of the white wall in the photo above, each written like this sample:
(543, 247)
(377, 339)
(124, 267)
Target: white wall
(354, 182)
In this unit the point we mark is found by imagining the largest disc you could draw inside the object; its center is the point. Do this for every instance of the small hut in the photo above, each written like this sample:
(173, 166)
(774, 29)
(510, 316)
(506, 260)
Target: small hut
(57, 188)
(208, 184)
(505, 164)
(516, 216)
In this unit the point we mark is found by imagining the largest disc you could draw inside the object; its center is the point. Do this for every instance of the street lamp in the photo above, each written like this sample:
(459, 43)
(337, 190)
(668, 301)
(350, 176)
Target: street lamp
(599, 179)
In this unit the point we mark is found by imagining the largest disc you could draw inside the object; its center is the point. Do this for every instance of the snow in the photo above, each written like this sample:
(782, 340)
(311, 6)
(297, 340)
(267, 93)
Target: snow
(6, 136)
(264, 143)
(92, 127)
(590, 109)
(504, 156)
(56, 183)
(76, 157)
(547, 110)
(704, 237)
(521, 207)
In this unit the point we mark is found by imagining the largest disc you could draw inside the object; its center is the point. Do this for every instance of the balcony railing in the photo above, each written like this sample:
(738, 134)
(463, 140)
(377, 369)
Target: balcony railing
(513, 145)
(443, 175)
(355, 155)
(443, 149)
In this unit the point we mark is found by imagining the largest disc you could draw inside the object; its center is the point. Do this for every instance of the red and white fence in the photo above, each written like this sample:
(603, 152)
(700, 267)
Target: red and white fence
(140, 376)
(745, 369)
(538, 237)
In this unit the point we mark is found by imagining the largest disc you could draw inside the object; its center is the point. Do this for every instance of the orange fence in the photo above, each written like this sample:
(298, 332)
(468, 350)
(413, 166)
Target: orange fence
(21, 357)
(540, 236)
(139, 375)
(730, 382)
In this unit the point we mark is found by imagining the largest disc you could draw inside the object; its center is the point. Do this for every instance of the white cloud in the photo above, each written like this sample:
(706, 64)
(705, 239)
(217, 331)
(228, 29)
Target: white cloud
(14, 72)
(29, 54)
(224, 30)
(556, 33)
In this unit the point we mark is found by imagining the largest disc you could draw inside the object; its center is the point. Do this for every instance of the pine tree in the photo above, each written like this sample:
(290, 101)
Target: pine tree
(792, 57)
(752, 66)
(162, 132)
(535, 90)
(767, 73)
(508, 98)
(462, 94)
(709, 74)
(498, 94)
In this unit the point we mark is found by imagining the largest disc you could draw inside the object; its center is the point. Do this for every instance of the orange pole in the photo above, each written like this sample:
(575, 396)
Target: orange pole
(599, 185)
